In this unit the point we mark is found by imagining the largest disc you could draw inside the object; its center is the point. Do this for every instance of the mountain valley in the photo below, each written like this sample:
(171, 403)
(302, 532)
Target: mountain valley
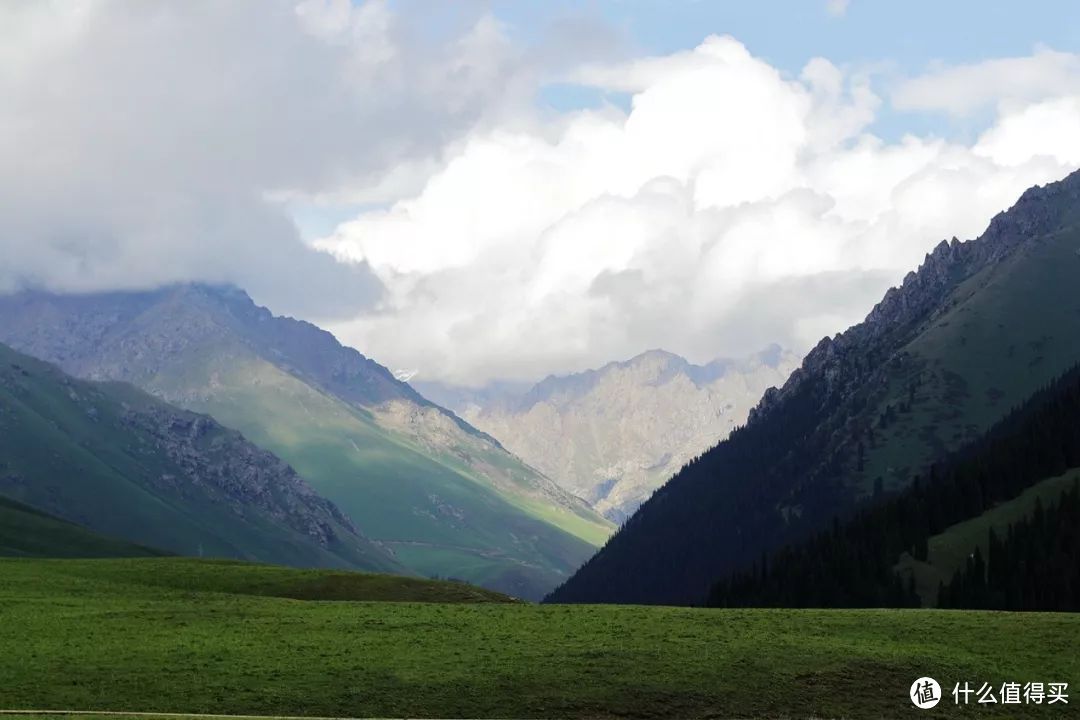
(614, 435)
(442, 498)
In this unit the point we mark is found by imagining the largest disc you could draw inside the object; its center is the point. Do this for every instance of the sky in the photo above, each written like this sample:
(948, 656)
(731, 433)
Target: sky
(500, 189)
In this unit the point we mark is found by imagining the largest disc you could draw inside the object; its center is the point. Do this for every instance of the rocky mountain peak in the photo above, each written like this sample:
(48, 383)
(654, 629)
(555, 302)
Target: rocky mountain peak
(1040, 210)
(614, 434)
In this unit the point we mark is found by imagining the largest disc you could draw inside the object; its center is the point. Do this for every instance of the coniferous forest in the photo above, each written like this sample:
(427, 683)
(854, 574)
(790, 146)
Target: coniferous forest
(1034, 567)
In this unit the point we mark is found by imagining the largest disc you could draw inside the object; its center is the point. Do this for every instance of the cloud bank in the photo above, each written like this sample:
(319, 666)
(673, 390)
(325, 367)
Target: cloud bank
(150, 142)
(730, 207)
(726, 206)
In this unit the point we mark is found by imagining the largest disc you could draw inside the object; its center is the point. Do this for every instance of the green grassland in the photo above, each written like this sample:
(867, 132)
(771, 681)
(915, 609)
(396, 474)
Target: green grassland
(433, 510)
(1006, 332)
(182, 635)
(948, 550)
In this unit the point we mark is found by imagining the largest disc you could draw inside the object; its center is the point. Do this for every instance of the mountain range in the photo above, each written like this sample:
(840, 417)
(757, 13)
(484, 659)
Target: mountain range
(437, 496)
(615, 434)
(978, 329)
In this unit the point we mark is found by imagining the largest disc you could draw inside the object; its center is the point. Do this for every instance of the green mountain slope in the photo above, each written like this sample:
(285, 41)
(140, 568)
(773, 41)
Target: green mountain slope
(979, 328)
(26, 532)
(1002, 333)
(446, 499)
(121, 463)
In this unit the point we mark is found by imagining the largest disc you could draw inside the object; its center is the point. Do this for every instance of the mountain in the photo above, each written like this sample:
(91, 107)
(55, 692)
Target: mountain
(123, 464)
(444, 498)
(614, 435)
(977, 330)
(993, 527)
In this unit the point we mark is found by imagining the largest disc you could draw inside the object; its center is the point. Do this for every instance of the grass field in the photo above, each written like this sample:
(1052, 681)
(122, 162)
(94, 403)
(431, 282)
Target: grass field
(182, 635)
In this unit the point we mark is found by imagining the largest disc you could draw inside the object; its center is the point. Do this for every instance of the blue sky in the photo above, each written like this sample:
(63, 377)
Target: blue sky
(892, 38)
(786, 33)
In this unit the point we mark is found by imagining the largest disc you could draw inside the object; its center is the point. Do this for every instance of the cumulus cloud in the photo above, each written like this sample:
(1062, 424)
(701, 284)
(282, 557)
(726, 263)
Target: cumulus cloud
(727, 206)
(730, 207)
(151, 142)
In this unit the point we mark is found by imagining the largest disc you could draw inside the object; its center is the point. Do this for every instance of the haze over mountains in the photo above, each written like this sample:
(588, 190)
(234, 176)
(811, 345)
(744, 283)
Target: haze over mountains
(441, 497)
(977, 330)
(614, 435)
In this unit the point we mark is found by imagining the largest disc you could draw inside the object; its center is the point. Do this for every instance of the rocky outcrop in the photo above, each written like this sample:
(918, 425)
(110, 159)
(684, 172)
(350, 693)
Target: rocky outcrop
(220, 462)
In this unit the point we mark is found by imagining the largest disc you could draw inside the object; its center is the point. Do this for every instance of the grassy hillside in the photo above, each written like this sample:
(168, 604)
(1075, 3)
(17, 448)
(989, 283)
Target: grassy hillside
(234, 577)
(206, 645)
(95, 454)
(27, 532)
(435, 512)
(947, 551)
(1006, 332)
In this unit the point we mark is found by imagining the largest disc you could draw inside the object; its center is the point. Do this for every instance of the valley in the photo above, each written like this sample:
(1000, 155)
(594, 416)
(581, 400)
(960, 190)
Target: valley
(614, 435)
(980, 327)
(435, 496)
(539, 360)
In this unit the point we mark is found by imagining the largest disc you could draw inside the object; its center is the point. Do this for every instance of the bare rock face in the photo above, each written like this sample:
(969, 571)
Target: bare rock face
(848, 358)
(219, 462)
(614, 435)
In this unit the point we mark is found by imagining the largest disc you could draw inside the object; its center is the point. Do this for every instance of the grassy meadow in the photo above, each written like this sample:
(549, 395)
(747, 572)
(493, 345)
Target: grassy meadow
(191, 636)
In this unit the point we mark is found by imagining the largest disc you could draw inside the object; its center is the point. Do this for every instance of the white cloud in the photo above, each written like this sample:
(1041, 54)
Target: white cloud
(730, 207)
(150, 142)
(963, 89)
(837, 8)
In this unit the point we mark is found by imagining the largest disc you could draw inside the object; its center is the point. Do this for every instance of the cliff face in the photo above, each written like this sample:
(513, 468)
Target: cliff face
(614, 435)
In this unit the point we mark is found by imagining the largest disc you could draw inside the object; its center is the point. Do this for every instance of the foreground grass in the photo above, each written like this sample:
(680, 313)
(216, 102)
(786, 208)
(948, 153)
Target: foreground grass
(127, 635)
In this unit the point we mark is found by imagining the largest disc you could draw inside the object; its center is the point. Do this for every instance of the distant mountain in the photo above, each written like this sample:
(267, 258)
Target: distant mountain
(444, 498)
(614, 435)
(123, 464)
(977, 330)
